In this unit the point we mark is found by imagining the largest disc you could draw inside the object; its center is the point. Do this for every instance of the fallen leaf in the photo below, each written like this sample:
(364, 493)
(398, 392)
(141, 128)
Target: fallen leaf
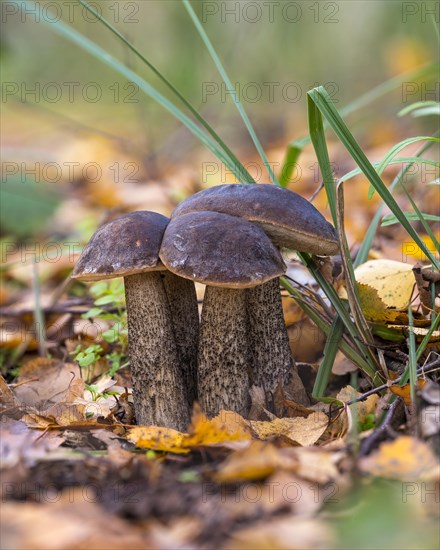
(284, 533)
(394, 281)
(405, 391)
(406, 458)
(225, 428)
(297, 431)
(316, 463)
(258, 461)
(375, 309)
(158, 439)
(361, 409)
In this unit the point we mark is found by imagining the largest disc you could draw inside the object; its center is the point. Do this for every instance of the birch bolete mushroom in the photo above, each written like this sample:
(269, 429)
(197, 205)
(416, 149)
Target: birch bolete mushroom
(228, 255)
(291, 222)
(128, 247)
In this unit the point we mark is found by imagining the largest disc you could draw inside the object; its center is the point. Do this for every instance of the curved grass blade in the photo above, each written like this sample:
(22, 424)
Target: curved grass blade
(247, 178)
(400, 160)
(390, 219)
(362, 254)
(326, 328)
(230, 88)
(430, 69)
(320, 98)
(77, 38)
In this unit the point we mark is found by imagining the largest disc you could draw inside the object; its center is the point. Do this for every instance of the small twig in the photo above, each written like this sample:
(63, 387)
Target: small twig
(73, 306)
(430, 367)
(317, 191)
(385, 427)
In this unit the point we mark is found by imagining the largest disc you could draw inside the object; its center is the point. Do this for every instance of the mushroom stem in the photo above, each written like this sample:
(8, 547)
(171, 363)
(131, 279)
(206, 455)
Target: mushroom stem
(158, 388)
(223, 378)
(182, 300)
(271, 357)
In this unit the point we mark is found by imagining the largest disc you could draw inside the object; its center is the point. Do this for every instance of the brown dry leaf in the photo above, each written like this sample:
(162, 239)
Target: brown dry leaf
(43, 382)
(258, 461)
(71, 522)
(406, 458)
(283, 533)
(8, 403)
(286, 408)
(316, 464)
(405, 391)
(18, 442)
(425, 279)
(297, 431)
(302, 496)
(361, 409)
(291, 310)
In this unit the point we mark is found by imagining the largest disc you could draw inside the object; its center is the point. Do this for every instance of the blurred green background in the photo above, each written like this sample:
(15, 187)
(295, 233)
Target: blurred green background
(274, 52)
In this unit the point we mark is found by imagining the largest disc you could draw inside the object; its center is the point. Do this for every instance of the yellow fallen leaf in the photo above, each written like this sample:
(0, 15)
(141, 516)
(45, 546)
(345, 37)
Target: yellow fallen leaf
(301, 431)
(226, 427)
(394, 281)
(375, 309)
(258, 461)
(406, 458)
(158, 439)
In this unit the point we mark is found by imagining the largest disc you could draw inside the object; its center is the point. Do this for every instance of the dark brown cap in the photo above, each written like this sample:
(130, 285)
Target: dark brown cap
(220, 250)
(289, 219)
(125, 246)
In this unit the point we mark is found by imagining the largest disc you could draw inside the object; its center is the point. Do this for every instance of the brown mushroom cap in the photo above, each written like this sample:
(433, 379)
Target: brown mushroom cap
(289, 219)
(220, 250)
(125, 246)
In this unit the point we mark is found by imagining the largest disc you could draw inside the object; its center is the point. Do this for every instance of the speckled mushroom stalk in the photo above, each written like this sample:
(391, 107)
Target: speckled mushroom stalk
(292, 222)
(229, 255)
(184, 310)
(129, 247)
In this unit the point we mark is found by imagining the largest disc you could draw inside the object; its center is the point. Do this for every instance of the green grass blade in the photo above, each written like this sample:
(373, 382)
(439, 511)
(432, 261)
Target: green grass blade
(320, 98)
(317, 135)
(395, 150)
(362, 254)
(246, 178)
(340, 308)
(420, 105)
(430, 69)
(421, 218)
(400, 160)
(294, 150)
(330, 350)
(346, 349)
(89, 46)
(422, 346)
(390, 219)
(229, 87)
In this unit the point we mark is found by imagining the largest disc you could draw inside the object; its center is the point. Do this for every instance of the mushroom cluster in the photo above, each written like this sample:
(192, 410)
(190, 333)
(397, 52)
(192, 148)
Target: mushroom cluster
(229, 238)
